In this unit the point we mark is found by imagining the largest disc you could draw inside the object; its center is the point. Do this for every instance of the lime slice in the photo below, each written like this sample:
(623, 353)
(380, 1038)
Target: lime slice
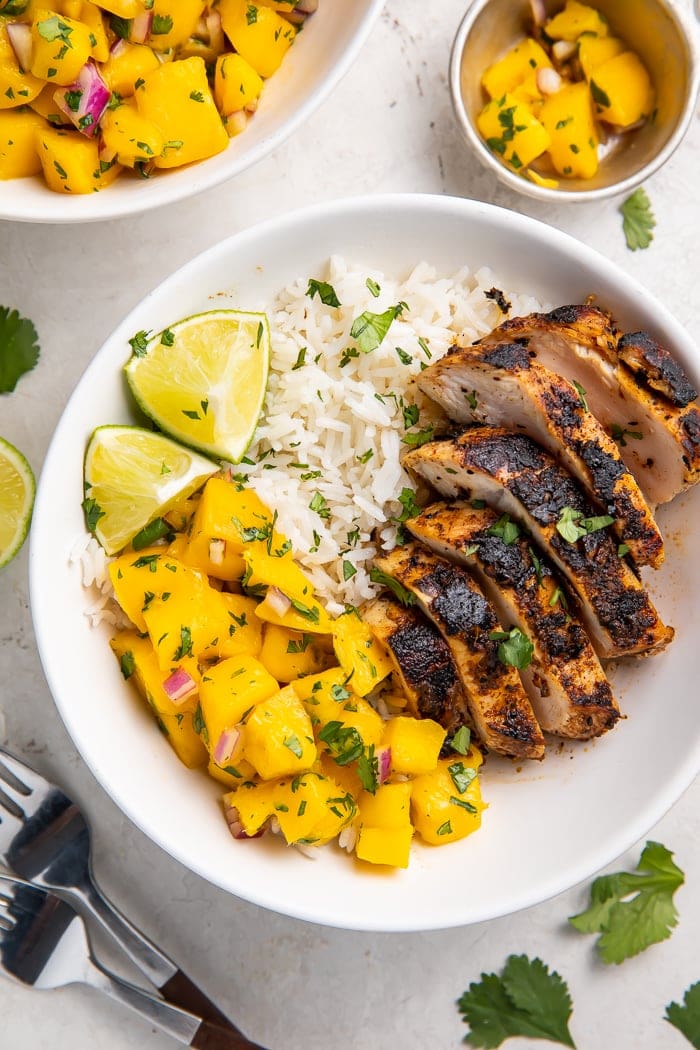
(17, 489)
(133, 476)
(203, 379)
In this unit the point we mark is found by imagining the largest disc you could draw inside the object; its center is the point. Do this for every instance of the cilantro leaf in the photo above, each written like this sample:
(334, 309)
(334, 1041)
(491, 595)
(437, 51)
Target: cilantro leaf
(627, 927)
(526, 1000)
(638, 220)
(396, 588)
(19, 348)
(326, 292)
(686, 1018)
(369, 329)
(515, 649)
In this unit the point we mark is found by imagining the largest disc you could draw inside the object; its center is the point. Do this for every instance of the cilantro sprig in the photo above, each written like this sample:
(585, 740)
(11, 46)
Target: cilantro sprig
(19, 348)
(525, 1000)
(369, 329)
(638, 220)
(632, 911)
(686, 1018)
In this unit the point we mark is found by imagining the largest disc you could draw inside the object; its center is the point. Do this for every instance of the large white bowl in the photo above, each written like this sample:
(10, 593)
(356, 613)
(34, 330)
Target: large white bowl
(321, 55)
(549, 825)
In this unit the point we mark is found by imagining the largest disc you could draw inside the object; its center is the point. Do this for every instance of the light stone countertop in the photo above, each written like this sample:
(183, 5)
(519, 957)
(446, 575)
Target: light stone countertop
(294, 986)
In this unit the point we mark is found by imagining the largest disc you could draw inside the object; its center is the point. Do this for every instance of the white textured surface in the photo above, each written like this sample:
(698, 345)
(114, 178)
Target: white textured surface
(295, 986)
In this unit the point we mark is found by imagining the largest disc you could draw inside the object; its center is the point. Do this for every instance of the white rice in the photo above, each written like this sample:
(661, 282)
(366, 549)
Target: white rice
(324, 417)
(335, 432)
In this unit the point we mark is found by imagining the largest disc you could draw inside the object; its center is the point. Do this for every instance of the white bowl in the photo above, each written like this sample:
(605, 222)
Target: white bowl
(322, 54)
(549, 825)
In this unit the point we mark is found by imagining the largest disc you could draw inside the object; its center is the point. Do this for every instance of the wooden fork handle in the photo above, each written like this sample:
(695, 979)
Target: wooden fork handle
(216, 1031)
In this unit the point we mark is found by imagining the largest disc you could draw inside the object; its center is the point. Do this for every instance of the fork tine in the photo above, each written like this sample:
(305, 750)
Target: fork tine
(10, 808)
(23, 778)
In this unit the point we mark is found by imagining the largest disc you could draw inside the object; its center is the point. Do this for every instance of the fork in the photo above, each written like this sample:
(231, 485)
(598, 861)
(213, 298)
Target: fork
(45, 839)
(44, 944)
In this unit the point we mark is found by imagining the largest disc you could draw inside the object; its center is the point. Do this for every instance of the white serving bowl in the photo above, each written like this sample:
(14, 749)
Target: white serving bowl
(549, 825)
(321, 55)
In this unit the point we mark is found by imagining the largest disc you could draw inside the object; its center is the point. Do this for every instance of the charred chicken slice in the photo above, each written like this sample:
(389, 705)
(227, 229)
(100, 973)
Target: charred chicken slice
(422, 660)
(502, 385)
(500, 710)
(659, 438)
(653, 365)
(568, 689)
(519, 478)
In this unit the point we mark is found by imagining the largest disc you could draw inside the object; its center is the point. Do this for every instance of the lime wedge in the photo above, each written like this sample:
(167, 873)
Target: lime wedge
(133, 476)
(203, 379)
(17, 489)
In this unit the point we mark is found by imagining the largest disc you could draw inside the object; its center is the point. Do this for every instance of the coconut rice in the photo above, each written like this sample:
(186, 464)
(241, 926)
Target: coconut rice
(327, 454)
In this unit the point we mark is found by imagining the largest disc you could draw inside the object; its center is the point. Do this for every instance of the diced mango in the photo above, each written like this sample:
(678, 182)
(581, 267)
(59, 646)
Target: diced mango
(176, 98)
(275, 567)
(132, 137)
(236, 84)
(520, 64)
(279, 738)
(16, 87)
(60, 47)
(255, 804)
(225, 514)
(415, 744)
(388, 846)
(178, 548)
(575, 19)
(138, 663)
(18, 156)
(346, 776)
(529, 93)
(360, 655)
(288, 654)
(70, 161)
(229, 690)
(312, 809)
(622, 91)
(328, 699)
(593, 51)
(232, 776)
(540, 180)
(568, 118)
(240, 631)
(257, 33)
(300, 616)
(139, 576)
(127, 9)
(91, 16)
(123, 70)
(174, 21)
(512, 132)
(181, 623)
(446, 804)
(389, 807)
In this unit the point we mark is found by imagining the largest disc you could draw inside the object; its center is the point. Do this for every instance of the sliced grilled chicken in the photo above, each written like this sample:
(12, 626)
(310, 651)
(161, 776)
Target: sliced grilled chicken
(654, 366)
(570, 694)
(502, 385)
(519, 478)
(500, 710)
(422, 661)
(659, 440)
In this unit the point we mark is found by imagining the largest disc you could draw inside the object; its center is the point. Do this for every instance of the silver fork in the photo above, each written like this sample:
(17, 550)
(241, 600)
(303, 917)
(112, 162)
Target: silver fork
(44, 944)
(45, 839)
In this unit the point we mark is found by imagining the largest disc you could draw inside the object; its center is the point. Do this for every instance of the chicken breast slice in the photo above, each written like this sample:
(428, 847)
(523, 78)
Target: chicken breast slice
(659, 441)
(570, 695)
(422, 660)
(515, 476)
(501, 712)
(502, 385)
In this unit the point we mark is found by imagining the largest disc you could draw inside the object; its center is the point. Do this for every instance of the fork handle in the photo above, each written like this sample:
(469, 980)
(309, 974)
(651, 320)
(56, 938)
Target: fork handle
(160, 970)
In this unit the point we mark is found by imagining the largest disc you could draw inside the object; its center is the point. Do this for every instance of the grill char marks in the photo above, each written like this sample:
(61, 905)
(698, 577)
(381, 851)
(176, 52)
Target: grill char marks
(653, 365)
(500, 710)
(422, 661)
(633, 387)
(565, 682)
(500, 384)
(511, 473)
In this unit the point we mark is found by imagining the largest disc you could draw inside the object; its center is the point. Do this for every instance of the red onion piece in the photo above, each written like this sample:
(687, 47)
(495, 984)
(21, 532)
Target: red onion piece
(548, 81)
(307, 7)
(85, 101)
(216, 33)
(235, 826)
(383, 764)
(539, 12)
(179, 686)
(20, 37)
(217, 551)
(274, 600)
(564, 49)
(140, 28)
(226, 746)
(118, 48)
(235, 124)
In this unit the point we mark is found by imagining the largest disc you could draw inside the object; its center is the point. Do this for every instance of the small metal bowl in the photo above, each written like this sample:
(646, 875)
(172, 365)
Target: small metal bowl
(661, 33)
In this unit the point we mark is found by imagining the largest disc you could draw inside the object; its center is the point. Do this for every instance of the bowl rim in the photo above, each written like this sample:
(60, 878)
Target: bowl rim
(691, 35)
(181, 190)
(361, 208)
